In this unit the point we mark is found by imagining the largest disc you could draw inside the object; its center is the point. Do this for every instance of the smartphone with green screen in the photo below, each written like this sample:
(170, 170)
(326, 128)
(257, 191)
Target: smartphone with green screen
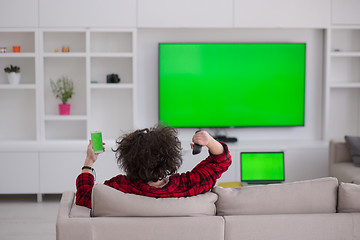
(97, 143)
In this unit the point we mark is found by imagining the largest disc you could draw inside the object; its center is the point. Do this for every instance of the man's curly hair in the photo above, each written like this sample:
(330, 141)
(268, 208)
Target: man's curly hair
(149, 154)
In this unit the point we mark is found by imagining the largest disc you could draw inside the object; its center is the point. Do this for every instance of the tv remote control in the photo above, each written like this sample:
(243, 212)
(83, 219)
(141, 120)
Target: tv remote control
(196, 148)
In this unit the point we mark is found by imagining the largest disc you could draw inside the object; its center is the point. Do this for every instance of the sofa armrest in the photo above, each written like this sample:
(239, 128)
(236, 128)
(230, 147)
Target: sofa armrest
(66, 202)
(71, 228)
(338, 152)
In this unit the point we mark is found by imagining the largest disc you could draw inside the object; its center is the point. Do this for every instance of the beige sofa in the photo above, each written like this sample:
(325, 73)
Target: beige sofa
(340, 163)
(313, 209)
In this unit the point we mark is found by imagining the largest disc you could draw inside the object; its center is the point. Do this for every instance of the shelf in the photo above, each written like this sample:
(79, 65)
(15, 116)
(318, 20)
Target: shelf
(20, 86)
(281, 145)
(112, 55)
(21, 37)
(111, 42)
(65, 118)
(75, 69)
(345, 54)
(345, 27)
(344, 69)
(17, 55)
(60, 54)
(111, 111)
(344, 85)
(102, 66)
(75, 40)
(18, 114)
(112, 86)
(345, 41)
(72, 128)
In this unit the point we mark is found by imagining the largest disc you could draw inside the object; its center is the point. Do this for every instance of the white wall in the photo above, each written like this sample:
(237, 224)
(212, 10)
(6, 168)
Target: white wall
(148, 40)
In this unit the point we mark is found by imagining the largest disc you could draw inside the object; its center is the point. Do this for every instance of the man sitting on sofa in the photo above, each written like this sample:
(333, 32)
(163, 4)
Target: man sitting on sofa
(150, 158)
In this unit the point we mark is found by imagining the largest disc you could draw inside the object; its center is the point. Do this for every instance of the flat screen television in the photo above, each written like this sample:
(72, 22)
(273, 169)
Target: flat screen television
(262, 167)
(232, 84)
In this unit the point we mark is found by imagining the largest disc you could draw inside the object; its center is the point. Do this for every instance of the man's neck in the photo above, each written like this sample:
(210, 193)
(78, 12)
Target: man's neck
(159, 183)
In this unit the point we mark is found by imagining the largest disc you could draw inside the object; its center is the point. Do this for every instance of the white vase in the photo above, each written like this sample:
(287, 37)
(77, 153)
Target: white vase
(14, 78)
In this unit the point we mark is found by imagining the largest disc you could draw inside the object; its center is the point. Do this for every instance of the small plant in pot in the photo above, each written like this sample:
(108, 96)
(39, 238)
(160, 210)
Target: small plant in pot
(63, 89)
(14, 74)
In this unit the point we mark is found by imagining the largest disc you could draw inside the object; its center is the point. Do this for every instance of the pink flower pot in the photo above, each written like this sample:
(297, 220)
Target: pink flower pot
(64, 109)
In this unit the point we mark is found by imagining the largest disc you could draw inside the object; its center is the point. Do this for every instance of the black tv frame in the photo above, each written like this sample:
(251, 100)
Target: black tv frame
(263, 181)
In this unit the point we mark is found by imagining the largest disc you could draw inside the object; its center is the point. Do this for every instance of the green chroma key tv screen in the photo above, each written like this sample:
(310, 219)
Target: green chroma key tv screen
(232, 84)
(265, 167)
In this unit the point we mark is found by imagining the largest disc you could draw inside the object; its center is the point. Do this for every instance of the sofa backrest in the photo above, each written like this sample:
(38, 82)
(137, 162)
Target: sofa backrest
(109, 202)
(338, 152)
(310, 196)
(348, 198)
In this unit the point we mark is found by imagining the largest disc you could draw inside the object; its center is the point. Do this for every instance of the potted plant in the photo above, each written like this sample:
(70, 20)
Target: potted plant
(14, 74)
(63, 89)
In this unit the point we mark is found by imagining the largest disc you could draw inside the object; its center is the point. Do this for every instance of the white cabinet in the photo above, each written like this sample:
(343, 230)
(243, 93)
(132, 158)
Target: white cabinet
(87, 13)
(345, 12)
(343, 82)
(282, 13)
(106, 166)
(96, 104)
(18, 103)
(19, 172)
(185, 13)
(19, 13)
(58, 170)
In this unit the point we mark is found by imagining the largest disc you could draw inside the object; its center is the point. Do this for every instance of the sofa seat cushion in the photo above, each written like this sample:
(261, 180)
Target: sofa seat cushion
(79, 211)
(345, 171)
(310, 196)
(143, 228)
(291, 226)
(109, 202)
(349, 198)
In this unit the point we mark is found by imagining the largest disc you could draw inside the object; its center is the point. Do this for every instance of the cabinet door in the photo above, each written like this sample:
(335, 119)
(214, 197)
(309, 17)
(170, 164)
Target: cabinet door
(19, 13)
(106, 166)
(19, 172)
(112, 13)
(58, 171)
(185, 13)
(282, 13)
(345, 12)
(87, 13)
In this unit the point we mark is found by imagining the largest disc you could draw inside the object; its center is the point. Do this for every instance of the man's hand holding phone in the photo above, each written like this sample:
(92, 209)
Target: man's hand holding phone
(95, 147)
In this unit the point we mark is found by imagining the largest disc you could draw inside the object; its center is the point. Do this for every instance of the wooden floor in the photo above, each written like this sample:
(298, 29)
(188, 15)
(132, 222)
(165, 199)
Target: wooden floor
(23, 218)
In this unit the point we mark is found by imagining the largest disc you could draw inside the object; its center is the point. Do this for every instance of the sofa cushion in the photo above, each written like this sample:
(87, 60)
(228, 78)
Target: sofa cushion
(79, 211)
(310, 196)
(349, 198)
(353, 144)
(109, 202)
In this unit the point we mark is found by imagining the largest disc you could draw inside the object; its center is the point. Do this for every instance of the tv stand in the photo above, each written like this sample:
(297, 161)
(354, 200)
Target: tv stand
(224, 138)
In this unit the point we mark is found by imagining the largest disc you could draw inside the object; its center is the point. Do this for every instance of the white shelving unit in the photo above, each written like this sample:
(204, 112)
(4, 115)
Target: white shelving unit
(19, 103)
(19, 107)
(112, 52)
(342, 115)
(96, 105)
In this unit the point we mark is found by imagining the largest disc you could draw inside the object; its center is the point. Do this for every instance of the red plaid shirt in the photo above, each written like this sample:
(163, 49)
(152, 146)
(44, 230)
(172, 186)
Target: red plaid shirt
(199, 180)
